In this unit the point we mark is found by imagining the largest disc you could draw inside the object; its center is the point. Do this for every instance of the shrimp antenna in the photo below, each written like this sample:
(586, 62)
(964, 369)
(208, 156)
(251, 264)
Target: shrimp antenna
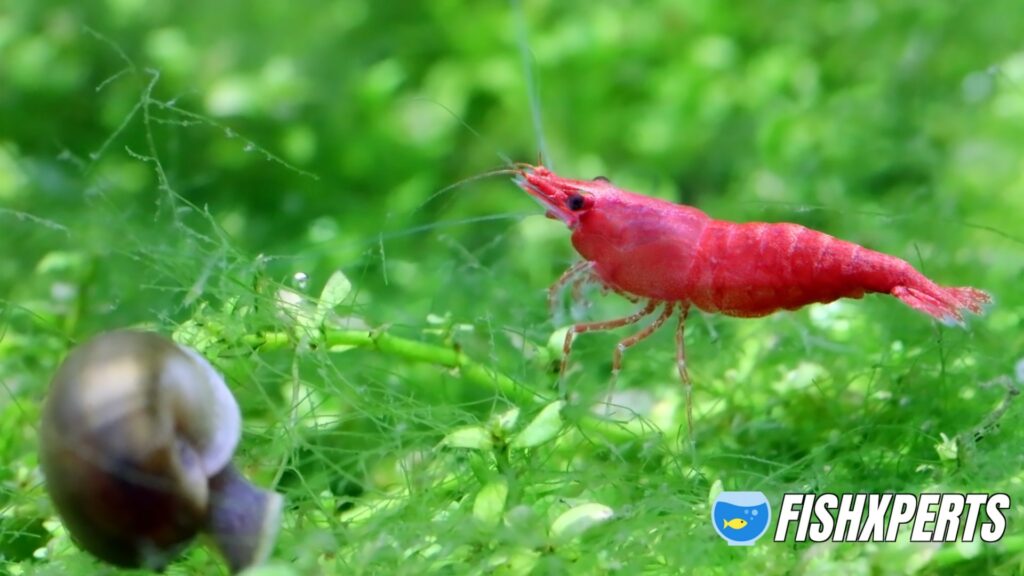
(531, 85)
(467, 180)
(504, 157)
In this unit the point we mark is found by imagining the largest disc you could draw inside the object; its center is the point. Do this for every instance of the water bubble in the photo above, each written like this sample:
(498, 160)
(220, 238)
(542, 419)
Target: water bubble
(301, 280)
(753, 512)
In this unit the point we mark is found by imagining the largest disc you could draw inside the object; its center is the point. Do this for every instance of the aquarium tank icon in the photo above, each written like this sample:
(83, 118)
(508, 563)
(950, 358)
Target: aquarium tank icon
(741, 517)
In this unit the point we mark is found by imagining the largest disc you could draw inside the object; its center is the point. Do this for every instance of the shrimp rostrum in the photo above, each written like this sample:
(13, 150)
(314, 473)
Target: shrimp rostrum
(673, 257)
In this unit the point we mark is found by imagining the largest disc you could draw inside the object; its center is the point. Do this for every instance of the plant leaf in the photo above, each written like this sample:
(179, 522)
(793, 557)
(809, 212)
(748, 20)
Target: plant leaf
(716, 489)
(338, 288)
(579, 519)
(542, 429)
(505, 421)
(472, 437)
(489, 504)
(295, 308)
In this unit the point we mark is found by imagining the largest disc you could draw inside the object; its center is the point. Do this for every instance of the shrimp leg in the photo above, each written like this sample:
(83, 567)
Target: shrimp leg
(627, 296)
(684, 374)
(600, 326)
(630, 341)
(627, 343)
(578, 298)
(571, 274)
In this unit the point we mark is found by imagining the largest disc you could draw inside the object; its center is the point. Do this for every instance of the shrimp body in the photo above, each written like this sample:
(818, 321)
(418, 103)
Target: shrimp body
(662, 251)
(676, 256)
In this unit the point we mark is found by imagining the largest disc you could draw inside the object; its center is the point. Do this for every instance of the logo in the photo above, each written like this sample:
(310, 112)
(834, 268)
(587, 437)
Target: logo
(741, 517)
(880, 517)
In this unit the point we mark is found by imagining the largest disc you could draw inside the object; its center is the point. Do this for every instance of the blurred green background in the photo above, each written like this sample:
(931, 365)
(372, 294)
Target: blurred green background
(175, 164)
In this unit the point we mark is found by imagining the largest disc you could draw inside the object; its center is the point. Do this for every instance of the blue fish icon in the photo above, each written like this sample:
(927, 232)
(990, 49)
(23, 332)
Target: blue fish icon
(740, 518)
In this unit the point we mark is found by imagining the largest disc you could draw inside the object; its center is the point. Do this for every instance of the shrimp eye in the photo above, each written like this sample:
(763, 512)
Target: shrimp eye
(575, 202)
(601, 179)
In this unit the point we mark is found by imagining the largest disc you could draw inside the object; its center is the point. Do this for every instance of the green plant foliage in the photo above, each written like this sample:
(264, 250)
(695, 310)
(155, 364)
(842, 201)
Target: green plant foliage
(293, 190)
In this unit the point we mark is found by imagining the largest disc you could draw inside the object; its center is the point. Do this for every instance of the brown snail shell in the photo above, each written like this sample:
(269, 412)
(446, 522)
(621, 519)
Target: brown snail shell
(136, 444)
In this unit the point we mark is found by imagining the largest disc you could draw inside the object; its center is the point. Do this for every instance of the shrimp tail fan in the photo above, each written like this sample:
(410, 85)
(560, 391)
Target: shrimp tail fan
(943, 303)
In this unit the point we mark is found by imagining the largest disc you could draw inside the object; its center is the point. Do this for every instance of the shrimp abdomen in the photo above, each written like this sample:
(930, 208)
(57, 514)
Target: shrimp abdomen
(758, 268)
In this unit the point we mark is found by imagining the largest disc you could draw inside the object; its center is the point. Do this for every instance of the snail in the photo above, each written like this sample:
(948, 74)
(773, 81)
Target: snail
(136, 443)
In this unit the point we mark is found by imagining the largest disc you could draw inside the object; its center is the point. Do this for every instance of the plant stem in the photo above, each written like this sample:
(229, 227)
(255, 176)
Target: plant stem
(415, 351)
(470, 370)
